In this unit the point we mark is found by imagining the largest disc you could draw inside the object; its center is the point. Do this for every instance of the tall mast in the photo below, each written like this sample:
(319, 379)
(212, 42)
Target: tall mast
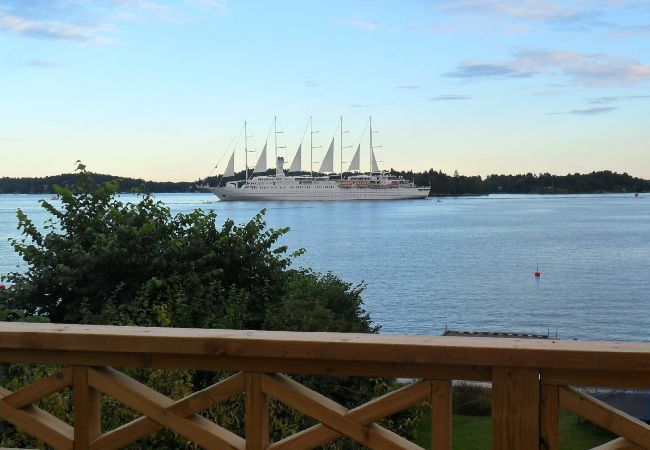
(341, 147)
(246, 150)
(275, 136)
(311, 144)
(370, 160)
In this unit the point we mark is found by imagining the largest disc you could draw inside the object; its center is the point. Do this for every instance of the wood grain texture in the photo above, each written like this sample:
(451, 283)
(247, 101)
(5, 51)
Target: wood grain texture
(605, 416)
(155, 405)
(549, 418)
(331, 414)
(86, 408)
(374, 410)
(41, 388)
(441, 414)
(515, 409)
(194, 403)
(257, 413)
(595, 378)
(462, 351)
(37, 423)
(249, 364)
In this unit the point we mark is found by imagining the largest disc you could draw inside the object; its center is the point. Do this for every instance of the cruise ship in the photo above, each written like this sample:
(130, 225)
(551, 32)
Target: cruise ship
(374, 185)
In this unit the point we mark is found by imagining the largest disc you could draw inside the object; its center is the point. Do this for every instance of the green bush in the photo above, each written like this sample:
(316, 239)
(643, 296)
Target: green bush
(472, 400)
(104, 261)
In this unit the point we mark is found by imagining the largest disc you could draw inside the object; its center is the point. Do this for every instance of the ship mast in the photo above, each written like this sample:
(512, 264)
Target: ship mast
(275, 136)
(370, 160)
(341, 147)
(246, 150)
(311, 145)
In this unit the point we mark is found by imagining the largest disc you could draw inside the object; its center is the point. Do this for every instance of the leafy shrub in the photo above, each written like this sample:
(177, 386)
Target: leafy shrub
(472, 400)
(103, 261)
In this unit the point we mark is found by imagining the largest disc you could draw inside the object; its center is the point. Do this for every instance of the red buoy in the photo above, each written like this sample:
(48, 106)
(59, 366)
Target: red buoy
(538, 273)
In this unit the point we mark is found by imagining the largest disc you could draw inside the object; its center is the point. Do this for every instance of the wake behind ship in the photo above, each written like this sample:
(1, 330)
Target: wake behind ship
(374, 185)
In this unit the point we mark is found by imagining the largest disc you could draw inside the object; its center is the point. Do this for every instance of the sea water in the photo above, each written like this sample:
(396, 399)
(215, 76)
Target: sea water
(462, 263)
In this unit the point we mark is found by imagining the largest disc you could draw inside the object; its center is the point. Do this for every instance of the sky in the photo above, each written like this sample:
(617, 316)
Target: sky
(161, 89)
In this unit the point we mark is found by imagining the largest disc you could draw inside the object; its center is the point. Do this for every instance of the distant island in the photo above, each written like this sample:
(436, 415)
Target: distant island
(441, 183)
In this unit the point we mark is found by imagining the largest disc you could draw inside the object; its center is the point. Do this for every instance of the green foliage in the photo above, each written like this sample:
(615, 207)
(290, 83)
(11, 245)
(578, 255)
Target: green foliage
(45, 185)
(471, 399)
(475, 432)
(543, 183)
(102, 261)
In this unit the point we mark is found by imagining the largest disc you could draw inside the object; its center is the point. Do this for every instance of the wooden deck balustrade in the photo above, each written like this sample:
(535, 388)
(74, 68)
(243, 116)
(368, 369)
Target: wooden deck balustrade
(531, 381)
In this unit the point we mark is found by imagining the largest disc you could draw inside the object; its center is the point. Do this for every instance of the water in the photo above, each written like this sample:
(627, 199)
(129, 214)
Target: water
(465, 263)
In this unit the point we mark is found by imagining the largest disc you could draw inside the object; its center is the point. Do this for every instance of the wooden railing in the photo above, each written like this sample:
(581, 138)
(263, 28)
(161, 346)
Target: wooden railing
(531, 381)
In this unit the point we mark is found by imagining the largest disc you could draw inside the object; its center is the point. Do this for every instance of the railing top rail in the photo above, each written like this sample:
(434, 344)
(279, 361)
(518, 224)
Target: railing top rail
(372, 348)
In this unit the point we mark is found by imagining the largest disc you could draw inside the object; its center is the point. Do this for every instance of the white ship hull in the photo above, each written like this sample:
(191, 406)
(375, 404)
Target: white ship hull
(319, 193)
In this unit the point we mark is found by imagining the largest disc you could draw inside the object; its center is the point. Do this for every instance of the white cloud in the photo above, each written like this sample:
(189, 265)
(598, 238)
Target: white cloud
(91, 21)
(521, 9)
(44, 29)
(580, 68)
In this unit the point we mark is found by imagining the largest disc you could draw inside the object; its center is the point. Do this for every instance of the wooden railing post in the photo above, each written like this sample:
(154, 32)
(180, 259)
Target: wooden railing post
(86, 408)
(549, 418)
(441, 414)
(257, 413)
(515, 408)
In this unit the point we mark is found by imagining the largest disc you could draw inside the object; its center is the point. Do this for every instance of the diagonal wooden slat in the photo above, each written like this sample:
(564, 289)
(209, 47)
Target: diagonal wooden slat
(605, 416)
(331, 414)
(618, 444)
(155, 405)
(192, 404)
(39, 389)
(37, 423)
(365, 414)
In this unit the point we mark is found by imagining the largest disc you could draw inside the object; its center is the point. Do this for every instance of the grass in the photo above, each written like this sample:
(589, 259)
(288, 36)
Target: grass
(475, 433)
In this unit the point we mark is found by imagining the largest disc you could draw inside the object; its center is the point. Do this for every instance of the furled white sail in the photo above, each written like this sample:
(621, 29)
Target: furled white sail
(355, 163)
(230, 168)
(328, 162)
(375, 168)
(296, 164)
(261, 162)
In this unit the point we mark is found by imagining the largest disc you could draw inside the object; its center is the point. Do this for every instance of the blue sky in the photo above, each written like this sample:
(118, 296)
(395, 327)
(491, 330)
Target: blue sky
(158, 89)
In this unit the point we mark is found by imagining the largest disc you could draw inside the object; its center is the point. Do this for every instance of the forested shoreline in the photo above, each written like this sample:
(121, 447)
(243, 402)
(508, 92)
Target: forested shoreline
(440, 182)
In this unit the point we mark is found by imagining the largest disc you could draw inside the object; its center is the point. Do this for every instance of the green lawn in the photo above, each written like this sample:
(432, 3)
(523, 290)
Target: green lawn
(475, 433)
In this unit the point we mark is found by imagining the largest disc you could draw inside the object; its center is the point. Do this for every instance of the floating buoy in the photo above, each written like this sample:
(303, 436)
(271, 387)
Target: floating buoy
(538, 273)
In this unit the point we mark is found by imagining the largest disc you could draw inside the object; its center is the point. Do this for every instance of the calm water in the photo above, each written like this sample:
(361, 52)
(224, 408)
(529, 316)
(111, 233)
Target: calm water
(466, 263)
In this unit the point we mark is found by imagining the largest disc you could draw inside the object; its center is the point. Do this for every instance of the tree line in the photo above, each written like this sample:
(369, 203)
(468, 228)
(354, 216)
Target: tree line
(46, 185)
(530, 183)
(440, 182)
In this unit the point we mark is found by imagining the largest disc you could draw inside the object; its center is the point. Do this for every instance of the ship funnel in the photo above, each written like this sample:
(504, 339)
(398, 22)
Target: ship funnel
(279, 167)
